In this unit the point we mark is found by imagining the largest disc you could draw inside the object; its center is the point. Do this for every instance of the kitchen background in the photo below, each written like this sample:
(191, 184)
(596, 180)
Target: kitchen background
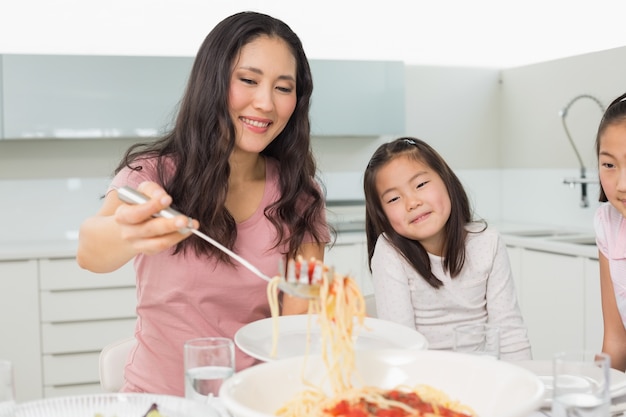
(483, 93)
(469, 91)
(499, 129)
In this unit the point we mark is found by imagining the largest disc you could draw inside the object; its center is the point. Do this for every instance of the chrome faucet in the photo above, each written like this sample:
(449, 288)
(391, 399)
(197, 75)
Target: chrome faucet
(583, 181)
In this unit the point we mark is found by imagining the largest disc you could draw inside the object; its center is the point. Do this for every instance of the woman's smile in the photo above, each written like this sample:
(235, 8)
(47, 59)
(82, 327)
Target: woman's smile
(259, 126)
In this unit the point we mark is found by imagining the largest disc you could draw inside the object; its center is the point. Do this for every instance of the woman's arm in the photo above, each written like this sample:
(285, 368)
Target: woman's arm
(614, 341)
(120, 231)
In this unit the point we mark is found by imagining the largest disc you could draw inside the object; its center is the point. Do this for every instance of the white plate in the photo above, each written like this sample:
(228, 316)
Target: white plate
(543, 369)
(256, 338)
(113, 405)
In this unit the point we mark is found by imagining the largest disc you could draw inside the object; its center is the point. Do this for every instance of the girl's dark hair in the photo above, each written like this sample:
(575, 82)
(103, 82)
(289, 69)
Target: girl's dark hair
(615, 113)
(203, 138)
(377, 223)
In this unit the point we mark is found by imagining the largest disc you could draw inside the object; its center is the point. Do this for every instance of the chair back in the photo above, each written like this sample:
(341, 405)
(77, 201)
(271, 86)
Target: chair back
(112, 362)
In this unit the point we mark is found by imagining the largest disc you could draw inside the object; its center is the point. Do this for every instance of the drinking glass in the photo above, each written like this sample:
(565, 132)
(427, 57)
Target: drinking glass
(581, 383)
(208, 362)
(7, 395)
(479, 339)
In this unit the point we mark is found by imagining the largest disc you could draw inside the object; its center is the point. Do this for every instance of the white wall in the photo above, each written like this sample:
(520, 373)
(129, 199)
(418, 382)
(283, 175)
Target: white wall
(456, 109)
(482, 33)
(535, 153)
(532, 131)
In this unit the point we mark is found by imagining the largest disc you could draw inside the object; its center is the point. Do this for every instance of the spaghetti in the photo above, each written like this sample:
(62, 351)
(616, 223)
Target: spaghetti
(340, 309)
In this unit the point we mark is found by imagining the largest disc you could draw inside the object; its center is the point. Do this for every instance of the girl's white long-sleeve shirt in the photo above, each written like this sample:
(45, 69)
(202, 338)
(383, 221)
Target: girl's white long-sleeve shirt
(610, 227)
(484, 292)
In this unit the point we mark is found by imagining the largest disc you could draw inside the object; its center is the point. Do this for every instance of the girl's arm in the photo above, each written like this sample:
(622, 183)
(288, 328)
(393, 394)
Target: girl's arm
(391, 285)
(120, 231)
(503, 308)
(295, 305)
(614, 341)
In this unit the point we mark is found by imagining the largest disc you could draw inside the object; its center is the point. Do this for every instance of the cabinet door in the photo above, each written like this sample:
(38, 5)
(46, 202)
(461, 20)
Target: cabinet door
(348, 256)
(553, 294)
(58, 96)
(593, 306)
(72, 96)
(357, 98)
(81, 312)
(19, 321)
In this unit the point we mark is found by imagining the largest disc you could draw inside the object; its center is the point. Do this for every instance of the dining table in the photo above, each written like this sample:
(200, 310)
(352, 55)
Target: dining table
(617, 409)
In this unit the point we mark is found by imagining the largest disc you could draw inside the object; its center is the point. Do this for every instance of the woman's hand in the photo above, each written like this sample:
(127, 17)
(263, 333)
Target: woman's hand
(141, 227)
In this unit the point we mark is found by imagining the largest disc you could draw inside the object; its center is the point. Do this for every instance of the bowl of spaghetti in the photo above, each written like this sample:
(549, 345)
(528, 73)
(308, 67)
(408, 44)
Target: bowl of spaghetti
(426, 381)
(342, 381)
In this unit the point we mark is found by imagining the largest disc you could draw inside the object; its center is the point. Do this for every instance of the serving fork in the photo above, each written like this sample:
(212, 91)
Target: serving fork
(300, 278)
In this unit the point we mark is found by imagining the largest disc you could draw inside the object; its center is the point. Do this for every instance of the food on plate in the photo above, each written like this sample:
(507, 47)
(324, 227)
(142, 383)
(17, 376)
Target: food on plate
(153, 411)
(400, 402)
(340, 311)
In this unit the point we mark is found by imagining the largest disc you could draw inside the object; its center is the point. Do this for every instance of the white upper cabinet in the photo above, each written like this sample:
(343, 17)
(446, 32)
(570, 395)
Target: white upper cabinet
(64, 96)
(72, 96)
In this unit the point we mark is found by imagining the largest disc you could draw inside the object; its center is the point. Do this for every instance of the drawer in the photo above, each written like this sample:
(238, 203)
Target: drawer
(80, 368)
(65, 274)
(76, 337)
(71, 390)
(100, 304)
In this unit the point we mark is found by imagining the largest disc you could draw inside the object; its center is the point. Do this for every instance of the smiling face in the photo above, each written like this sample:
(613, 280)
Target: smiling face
(612, 165)
(262, 93)
(415, 200)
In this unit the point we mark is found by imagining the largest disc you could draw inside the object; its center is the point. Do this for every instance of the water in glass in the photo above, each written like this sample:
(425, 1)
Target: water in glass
(204, 382)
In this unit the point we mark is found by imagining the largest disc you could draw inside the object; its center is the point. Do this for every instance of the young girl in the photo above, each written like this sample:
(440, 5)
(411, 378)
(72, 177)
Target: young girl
(610, 227)
(432, 267)
(239, 162)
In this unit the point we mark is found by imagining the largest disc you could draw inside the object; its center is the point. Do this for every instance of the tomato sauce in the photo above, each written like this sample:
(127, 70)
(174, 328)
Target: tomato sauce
(365, 408)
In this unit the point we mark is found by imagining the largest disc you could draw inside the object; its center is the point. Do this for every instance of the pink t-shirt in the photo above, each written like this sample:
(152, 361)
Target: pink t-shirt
(184, 297)
(610, 228)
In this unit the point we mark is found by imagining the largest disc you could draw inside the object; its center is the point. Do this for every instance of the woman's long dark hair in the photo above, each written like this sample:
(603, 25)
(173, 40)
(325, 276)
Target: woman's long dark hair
(376, 222)
(615, 113)
(203, 138)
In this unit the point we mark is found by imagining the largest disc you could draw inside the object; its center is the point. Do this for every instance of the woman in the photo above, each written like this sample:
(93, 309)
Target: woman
(239, 162)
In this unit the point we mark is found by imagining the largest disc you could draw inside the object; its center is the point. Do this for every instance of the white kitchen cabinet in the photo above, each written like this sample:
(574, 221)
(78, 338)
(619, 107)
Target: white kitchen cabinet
(81, 312)
(349, 257)
(559, 295)
(56, 318)
(72, 96)
(593, 306)
(20, 341)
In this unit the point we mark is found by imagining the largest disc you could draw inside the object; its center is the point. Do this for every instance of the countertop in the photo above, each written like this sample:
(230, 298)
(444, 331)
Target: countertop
(561, 241)
(24, 250)
(557, 240)
(347, 217)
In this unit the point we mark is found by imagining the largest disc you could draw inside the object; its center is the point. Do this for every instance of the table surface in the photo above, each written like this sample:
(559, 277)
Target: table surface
(618, 408)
